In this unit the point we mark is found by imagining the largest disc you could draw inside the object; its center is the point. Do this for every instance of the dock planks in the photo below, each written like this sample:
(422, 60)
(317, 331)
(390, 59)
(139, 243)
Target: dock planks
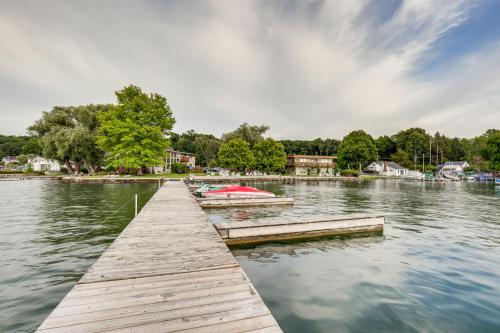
(168, 271)
(288, 228)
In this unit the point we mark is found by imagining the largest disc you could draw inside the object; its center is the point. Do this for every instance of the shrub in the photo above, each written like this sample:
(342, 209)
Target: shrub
(179, 168)
(349, 173)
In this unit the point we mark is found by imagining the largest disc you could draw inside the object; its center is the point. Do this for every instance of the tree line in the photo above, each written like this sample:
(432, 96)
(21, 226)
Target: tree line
(134, 133)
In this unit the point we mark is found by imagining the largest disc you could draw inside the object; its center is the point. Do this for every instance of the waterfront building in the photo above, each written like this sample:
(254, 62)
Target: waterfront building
(303, 165)
(386, 168)
(43, 164)
(453, 168)
(175, 156)
(9, 159)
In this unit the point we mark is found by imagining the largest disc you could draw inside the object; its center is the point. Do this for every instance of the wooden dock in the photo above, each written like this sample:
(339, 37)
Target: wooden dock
(168, 271)
(243, 202)
(275, 229)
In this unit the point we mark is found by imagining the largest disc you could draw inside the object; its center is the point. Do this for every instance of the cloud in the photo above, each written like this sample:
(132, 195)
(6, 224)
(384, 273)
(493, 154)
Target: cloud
(306, 68)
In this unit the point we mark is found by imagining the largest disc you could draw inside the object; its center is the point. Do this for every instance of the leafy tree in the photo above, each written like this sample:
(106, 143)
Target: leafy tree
(269, 156)
(493, 149)
(356, 149)
(204, 146)
(236, 155)
(134, 131)
(402, 158)
(179, 168)
(249, 133)
(414, 141)
(12, 145)
(68, 133)
(386, 146)
(311, 147)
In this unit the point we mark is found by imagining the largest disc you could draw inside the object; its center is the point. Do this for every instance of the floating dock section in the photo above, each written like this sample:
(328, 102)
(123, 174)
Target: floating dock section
(243, 202)
(168, 271)
(275, 229)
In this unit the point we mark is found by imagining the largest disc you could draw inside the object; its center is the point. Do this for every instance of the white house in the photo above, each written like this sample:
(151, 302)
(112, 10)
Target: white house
(454, 168)
(387, 168)
(43, 164)
(10, 159)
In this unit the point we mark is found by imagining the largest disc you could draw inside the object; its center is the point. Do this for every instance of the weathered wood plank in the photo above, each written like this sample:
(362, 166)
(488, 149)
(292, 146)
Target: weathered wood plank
(168, 271)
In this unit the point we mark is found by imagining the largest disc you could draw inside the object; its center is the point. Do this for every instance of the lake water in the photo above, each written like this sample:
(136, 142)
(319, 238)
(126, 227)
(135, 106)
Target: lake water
(436, 268)
(50, 233)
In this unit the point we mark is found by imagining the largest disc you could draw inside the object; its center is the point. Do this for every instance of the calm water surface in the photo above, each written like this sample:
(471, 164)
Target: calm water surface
(435, 269)
(50, 233)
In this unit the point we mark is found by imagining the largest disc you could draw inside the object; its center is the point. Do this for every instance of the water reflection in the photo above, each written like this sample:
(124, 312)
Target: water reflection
(50, 233)
(436, 268)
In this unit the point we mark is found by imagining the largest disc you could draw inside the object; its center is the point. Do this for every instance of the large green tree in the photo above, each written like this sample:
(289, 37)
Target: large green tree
(269, 156)
(386, 146)
(205, 146)
(357, 149)
(134, 132)
(236, 155)
(414, 141)
(250, 133)
(493, 150)
(68, 133)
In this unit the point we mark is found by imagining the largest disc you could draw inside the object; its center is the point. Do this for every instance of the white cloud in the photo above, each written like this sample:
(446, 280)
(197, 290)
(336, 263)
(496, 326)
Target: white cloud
(307, 68)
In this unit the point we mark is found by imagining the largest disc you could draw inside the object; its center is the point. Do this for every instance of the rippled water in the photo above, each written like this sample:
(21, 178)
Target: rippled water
(50, 233)
(436, 268)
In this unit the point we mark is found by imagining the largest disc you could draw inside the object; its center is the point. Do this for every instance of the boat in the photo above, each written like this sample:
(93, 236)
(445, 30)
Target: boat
(208, 187)
(237, 192)
(414, 175)
(497, 181)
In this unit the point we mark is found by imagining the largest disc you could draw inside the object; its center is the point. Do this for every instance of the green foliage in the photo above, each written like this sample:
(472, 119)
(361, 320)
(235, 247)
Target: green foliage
(356, 149)
(68, 133)
(11, 145)
(269, 156)
(326, 147)
(236, 155)
(349, 173)
(205, 146)
(386, 146)
(134, 131)
(179, 168)
(248, 133)
(213, 164)
(414, 141)
(493, 150)
(402, 158)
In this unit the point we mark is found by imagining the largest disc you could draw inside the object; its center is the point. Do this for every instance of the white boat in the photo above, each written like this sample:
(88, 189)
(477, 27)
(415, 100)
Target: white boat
(414, 175)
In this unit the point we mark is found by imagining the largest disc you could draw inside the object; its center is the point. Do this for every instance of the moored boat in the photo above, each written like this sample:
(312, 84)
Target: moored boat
(237, 192)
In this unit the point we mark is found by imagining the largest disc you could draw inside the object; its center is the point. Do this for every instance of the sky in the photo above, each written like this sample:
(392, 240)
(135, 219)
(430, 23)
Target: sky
(307, 69)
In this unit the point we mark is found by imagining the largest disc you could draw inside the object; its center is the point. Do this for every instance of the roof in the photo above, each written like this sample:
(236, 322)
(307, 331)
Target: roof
(311, 156)
(455, 163)
(170, 150)
(390, 164)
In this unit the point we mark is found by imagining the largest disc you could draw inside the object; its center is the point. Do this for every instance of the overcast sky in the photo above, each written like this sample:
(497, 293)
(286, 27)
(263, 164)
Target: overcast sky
(307, 68)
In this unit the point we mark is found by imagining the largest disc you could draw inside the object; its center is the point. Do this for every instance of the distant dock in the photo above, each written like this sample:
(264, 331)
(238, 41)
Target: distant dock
(168, 271)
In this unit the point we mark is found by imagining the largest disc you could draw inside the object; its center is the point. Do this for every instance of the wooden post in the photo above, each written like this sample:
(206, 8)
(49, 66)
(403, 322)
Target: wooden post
(135, 205)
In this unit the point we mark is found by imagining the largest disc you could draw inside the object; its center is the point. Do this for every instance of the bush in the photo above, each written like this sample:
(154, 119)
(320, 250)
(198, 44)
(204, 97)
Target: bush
(198, 169)
(349, 173)
(179, 168)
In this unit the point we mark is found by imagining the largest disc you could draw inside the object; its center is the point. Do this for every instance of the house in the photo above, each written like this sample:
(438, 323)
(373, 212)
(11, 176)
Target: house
(175, 156)
(43, 164)
(303, 165)
(386, 168)
(10, 160)
(454, 168)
